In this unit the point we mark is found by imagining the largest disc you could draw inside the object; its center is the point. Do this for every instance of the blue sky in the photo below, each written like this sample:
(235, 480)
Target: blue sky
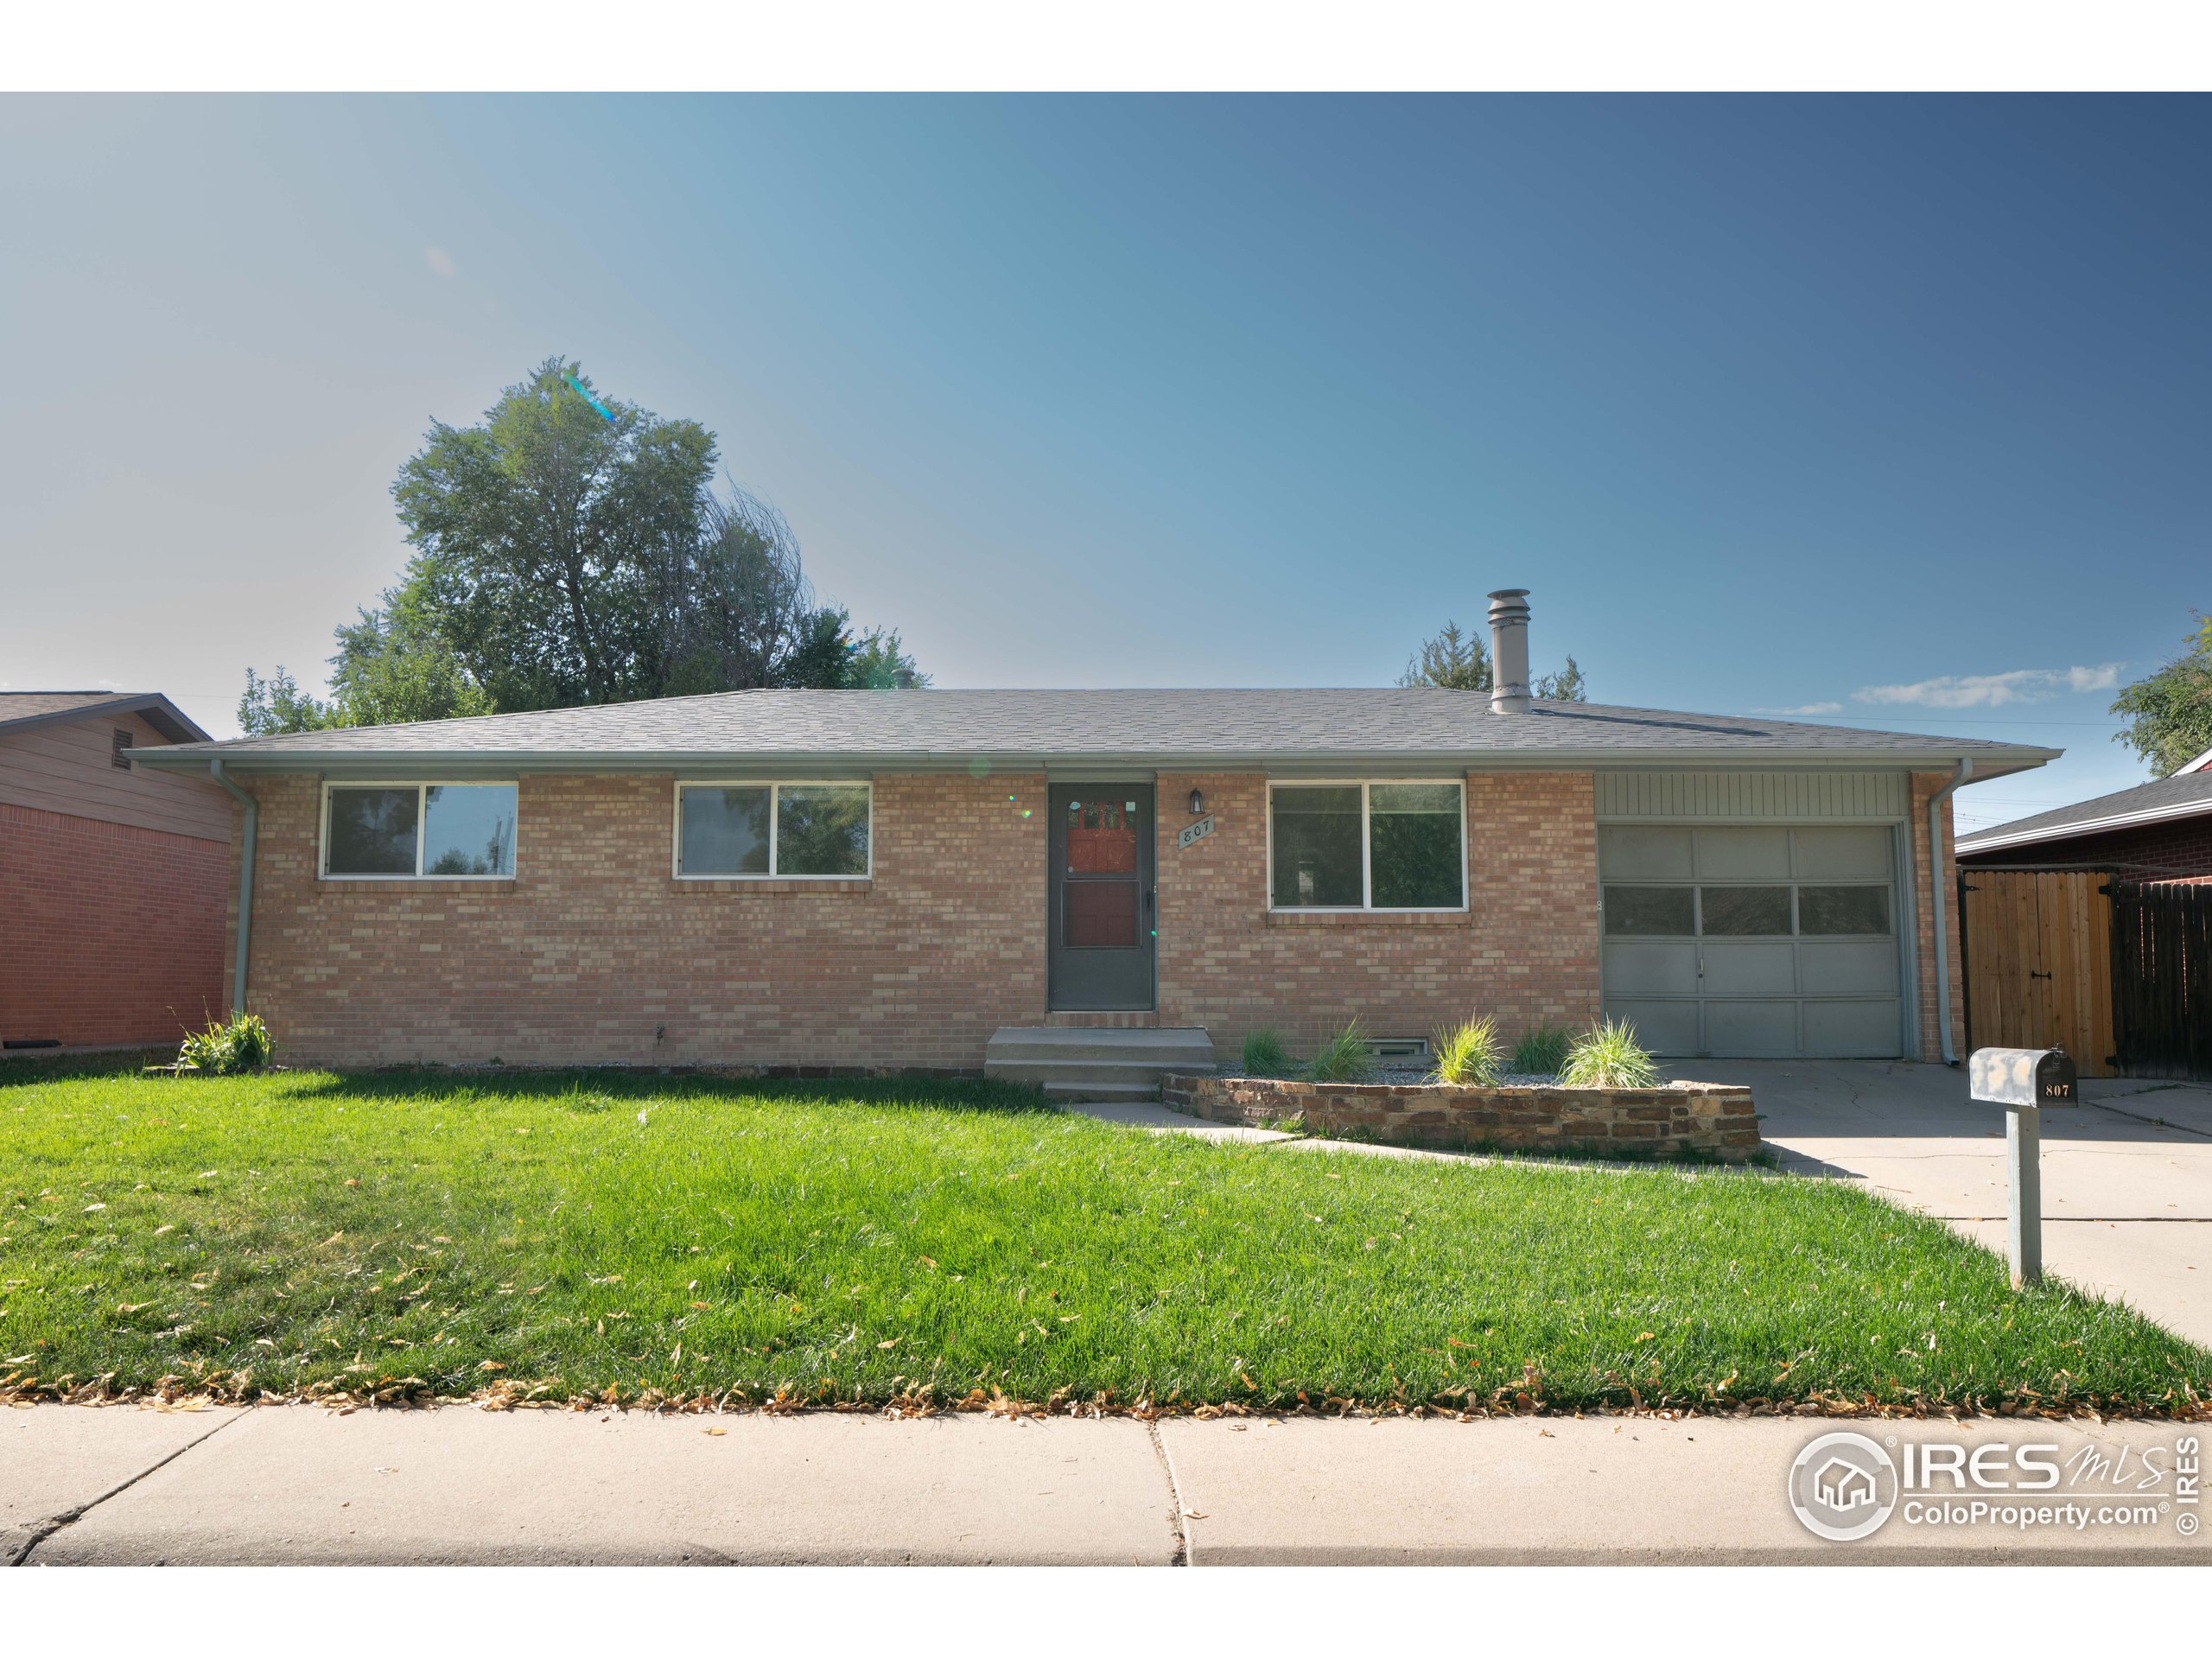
(1889, 408)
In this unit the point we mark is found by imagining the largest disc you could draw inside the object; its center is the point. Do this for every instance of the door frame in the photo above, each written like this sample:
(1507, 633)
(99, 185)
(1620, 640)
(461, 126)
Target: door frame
(1146, 791)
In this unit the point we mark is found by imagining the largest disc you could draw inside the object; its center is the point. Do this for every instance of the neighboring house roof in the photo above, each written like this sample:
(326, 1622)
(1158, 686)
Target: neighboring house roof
(2202, 763)
(2185, 795)
(1185, 729)
(21, 709)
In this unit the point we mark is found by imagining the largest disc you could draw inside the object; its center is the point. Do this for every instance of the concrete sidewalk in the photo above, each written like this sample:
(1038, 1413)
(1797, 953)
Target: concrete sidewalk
(296, 1484)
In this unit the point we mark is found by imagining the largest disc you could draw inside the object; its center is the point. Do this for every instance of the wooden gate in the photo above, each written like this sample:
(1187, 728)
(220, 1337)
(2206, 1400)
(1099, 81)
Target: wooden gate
(2162, 971)
(2039, 962)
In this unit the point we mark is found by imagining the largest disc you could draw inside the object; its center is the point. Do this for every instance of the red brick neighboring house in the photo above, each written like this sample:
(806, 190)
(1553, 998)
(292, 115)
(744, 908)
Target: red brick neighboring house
(112, 878)
(839, 879)
(2158, 831)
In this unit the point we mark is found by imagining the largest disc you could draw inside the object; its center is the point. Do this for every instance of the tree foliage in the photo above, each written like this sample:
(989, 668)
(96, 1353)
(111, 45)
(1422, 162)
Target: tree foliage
(1457, 662)
(571, 548)
(2170, 712)
(1450, 659)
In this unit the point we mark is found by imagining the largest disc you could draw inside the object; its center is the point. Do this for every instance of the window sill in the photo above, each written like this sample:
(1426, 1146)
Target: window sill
(708, 884)
(418, 883)
(1370, 917)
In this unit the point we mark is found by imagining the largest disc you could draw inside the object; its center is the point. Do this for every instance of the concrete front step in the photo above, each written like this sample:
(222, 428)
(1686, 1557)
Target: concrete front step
(1071, 1062)
(1050, 1073)
(1165, 1047)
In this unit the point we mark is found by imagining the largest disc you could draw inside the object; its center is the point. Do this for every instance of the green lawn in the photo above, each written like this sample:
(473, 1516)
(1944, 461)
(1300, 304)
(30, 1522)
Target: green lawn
(868, 1241)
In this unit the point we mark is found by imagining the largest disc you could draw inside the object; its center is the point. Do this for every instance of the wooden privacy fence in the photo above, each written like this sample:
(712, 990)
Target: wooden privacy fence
(2161, 977)
(2040, 957)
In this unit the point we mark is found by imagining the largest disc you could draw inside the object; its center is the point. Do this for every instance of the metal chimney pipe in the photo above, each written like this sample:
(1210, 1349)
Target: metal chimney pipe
(1509, 651)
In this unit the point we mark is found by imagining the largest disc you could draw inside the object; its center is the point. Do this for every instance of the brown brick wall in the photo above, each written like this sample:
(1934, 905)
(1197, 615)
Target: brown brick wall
(109, 932)
(595, 944)
(1924, 784)
(1525, 951)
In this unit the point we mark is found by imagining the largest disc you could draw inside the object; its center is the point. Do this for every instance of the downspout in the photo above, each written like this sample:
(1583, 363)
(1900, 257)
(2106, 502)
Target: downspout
(1936, 894)
(245, 881)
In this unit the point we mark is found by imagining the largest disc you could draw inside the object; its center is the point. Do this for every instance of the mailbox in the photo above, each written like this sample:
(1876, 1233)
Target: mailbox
(2023, 1076)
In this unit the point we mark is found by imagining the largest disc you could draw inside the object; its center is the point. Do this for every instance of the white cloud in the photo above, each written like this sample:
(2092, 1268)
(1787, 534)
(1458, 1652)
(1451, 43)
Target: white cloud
(1995, 690)
(1807, 709)
(438, 260)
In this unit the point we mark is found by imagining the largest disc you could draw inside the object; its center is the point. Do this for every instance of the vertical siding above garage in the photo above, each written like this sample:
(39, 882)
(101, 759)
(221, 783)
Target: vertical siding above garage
(1778, 796)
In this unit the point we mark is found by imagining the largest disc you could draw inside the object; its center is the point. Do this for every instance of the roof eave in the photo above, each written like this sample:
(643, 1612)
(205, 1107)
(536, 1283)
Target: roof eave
(1994, 841)
(389, 762)
(151, 706)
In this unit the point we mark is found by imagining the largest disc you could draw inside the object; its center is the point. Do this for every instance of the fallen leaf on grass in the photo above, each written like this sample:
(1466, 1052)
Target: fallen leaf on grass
(491, 1365)
(91, 1207)
(166, 1227)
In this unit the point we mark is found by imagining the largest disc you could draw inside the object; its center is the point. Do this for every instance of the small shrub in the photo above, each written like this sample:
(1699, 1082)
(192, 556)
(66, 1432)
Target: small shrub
(240, 1042)
(1467, 1052)
(1542, 1051)
(1608, 1057)
(1346, 1058)
(1264, 1053)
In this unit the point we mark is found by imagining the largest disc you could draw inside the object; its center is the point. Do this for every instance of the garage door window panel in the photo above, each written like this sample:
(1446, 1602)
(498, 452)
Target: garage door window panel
(1833, 910)
(1742, 912)
(1645, 912)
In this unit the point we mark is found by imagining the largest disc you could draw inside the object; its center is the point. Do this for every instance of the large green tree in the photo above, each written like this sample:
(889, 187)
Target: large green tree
(2170, 712)
(572, 548)
(1457, 662)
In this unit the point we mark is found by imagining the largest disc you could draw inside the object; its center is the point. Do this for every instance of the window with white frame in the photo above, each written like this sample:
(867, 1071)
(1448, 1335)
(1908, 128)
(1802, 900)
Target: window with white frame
(797, 831)
(1368, 846)
(406, 832)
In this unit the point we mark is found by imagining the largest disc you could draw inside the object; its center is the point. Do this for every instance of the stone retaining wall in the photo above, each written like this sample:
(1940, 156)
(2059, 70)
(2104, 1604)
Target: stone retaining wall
(1711, 1118)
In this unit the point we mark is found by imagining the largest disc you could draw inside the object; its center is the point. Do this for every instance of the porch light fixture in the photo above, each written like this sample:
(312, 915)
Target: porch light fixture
(1198, 802)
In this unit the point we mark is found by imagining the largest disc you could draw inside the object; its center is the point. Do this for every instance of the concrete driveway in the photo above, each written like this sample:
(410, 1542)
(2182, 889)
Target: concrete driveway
(2127, 1176)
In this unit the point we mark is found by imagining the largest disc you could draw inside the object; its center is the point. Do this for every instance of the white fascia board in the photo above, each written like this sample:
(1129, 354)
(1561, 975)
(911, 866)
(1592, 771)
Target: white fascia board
(455, 763)
(1990, 840)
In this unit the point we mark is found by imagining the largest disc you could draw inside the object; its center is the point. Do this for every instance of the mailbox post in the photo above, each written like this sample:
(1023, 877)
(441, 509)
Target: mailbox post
(2024, 1080)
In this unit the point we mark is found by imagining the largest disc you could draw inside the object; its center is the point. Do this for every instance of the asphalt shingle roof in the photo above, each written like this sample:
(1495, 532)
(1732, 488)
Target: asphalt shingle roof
(2182, 796)
(22, 708)
(1185, 725)
(25, 705)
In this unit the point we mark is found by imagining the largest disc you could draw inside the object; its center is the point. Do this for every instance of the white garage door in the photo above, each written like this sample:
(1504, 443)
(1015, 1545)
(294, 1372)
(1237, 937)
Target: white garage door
(1752, 941)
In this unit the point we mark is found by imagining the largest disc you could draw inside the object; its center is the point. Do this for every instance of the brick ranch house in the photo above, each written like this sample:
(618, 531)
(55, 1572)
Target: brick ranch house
(112, 879)
(840, 879)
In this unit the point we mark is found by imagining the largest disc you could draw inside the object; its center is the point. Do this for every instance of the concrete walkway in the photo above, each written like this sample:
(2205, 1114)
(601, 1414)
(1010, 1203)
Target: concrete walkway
(295, 1484)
